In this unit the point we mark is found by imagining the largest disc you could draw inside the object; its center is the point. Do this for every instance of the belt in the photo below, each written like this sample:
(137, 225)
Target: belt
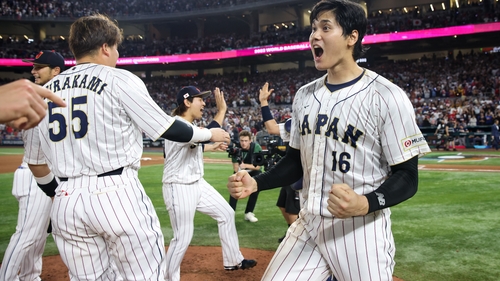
(110, 173)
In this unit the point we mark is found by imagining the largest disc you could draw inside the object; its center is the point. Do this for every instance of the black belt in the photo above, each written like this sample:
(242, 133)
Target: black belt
(110, 173)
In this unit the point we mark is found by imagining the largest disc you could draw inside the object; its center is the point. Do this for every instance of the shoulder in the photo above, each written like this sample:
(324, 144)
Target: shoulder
(125, 74)
(257, 147)
(381, 83)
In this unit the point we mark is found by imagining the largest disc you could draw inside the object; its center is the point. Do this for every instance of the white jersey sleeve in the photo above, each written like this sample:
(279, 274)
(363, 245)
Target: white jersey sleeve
(32, 147)
(285, 136)
(140, 106)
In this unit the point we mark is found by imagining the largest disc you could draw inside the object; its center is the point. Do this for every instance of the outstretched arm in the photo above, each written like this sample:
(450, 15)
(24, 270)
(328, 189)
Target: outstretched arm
(286, 172)
(22, 103)
(221, 106)
(271, 125)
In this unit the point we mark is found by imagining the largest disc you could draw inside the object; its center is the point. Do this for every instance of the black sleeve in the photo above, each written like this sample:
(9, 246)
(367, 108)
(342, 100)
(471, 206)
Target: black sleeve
(213, 124)
(400, 186)
(179, 132)
(287, 171)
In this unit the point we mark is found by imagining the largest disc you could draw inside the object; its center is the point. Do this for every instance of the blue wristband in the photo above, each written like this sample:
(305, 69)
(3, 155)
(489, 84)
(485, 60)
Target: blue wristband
(266, 113)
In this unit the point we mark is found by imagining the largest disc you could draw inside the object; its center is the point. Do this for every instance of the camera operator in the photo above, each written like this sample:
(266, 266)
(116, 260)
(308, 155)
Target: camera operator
(242, 159)
(288, 200)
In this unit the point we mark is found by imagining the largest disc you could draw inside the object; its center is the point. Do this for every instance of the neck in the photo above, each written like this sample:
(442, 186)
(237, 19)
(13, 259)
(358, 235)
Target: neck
(187, 117)
(339, 75)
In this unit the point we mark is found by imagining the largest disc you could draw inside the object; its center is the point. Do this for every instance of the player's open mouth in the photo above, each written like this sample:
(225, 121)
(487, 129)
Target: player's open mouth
(318, 51)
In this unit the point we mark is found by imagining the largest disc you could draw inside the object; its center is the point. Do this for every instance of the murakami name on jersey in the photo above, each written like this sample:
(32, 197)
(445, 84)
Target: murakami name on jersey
(351, 135)
(413, 141)
(77, 81)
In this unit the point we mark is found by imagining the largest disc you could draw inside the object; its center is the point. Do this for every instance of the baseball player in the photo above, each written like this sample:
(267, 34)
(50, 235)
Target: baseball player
(23, 256)
(100, 210)
(355, 141)
(185, 191)
(288, 199)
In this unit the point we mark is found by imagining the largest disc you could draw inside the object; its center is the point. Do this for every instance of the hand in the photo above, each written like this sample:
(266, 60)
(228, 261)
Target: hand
(220, 100)
(344, 203)
(220, 135)
(264, 94)
(22, 103)
(241, 185)
(219, 146)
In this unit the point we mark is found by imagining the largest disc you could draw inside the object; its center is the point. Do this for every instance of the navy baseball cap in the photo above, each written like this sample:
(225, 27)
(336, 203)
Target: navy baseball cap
(190, 92)
(48, 58)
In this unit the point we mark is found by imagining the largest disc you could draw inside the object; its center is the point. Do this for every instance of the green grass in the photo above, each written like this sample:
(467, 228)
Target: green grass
(448, 231)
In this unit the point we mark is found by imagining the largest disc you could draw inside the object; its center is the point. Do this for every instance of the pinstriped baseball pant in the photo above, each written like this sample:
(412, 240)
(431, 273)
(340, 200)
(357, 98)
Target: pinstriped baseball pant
(23, 256)
(182, 201)
(353, 249)
(96, 219)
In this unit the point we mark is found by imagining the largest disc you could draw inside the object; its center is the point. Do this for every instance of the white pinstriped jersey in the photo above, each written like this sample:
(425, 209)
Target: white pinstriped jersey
(352, 135)
(183, 161)
(32, 152)
(101, 128)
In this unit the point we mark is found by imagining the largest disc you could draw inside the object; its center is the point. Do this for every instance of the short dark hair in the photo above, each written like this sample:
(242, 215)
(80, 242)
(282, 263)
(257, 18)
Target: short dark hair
(181, 108)
(245, 133)
(88, 34)
(349, 15)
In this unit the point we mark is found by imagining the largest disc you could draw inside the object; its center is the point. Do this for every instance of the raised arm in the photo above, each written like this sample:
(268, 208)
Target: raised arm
(271, 125)
(221, 106)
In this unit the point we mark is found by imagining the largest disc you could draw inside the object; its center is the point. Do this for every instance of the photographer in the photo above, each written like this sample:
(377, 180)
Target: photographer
(288, 200)
(242, 158)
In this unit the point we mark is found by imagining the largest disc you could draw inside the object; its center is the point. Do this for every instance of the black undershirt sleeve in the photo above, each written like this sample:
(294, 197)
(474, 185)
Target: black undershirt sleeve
(401, 185)
(179, 132)
(286, 172)
(213, 124)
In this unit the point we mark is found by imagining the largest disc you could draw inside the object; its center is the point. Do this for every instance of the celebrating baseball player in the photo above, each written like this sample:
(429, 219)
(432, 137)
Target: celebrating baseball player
(23, 256)
(355, 141)
(185, 191)
(100, 210)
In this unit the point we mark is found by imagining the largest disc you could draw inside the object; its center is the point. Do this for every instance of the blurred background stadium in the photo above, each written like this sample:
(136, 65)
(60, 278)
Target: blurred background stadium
(444, 54)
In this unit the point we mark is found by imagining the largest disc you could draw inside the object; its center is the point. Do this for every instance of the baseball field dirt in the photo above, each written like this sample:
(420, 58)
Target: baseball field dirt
(200, 263)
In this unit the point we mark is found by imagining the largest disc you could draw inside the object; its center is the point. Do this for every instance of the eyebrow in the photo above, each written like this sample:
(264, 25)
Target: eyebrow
(323, 21)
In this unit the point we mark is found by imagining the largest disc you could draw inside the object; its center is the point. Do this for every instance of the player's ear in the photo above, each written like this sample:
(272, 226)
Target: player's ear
(105, 49)
(352, 38)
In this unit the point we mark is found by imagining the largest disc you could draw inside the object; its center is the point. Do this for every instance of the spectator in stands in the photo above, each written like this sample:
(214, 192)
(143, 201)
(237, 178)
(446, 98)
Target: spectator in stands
(472, 121)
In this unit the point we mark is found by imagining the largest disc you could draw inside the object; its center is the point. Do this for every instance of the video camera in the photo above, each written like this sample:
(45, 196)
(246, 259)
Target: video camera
(234, 150)
(270, 156)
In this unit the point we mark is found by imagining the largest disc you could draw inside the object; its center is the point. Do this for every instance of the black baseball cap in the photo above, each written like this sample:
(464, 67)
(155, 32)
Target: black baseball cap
(190, 92)
(48, 58)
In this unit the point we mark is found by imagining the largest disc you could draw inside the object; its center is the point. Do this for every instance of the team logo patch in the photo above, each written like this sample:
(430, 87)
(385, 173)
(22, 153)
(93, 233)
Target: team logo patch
(413, 141)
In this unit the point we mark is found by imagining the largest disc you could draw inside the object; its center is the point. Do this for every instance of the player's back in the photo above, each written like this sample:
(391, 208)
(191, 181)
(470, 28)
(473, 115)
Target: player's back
(95, 133)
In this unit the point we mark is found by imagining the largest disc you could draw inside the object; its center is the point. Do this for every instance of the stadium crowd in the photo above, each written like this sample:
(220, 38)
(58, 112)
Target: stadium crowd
(383, 22)
(465, 88)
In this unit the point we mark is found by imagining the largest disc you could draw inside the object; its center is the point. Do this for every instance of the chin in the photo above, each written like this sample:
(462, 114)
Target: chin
(320, 67)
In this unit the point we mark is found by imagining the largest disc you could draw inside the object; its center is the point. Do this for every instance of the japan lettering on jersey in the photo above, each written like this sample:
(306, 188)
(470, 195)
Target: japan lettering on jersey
(101, 128)
(352, 135)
